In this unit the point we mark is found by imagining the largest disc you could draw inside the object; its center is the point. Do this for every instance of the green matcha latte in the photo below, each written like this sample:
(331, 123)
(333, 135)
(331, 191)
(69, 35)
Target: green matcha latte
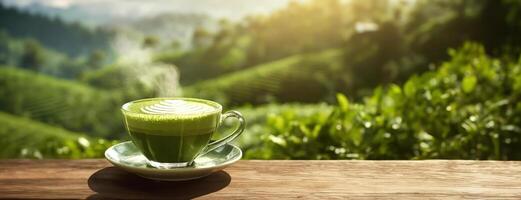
(171, 130)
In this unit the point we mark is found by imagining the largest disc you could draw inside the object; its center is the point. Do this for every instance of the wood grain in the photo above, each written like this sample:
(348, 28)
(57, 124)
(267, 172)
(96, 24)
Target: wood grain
(432, 179)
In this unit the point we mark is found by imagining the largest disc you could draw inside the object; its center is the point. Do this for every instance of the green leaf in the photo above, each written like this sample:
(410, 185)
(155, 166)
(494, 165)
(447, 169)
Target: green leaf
(409, 88)
(469, 83)
(356, 137)
(342, 101)
(278, 140)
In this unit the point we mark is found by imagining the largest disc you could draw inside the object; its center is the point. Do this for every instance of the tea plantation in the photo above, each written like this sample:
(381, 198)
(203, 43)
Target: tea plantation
(303, 78)
(25, 138)
(63, 103)
(467, 108)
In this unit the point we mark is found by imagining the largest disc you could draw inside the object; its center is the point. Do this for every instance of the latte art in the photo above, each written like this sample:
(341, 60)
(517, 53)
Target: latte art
(177, 107)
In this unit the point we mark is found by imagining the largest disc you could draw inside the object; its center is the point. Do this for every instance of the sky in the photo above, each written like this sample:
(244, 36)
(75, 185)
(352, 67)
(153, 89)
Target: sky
(231, 9)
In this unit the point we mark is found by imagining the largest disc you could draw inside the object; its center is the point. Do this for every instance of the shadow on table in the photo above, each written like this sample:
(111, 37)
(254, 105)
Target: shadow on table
(114, 183)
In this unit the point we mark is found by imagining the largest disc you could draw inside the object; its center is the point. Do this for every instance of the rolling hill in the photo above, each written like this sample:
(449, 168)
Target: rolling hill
(62, 103)
(25, 138)
(303, 78)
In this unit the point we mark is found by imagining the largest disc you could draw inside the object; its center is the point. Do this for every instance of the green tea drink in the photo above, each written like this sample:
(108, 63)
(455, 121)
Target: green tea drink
(171, 130)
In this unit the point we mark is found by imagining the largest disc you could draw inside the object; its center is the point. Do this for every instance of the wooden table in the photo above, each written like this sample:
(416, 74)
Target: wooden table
(97, 179)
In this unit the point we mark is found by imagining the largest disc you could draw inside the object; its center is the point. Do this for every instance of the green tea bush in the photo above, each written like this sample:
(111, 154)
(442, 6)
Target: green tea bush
(468, 108)
(63, 103)
(256, 119)
(25, 138)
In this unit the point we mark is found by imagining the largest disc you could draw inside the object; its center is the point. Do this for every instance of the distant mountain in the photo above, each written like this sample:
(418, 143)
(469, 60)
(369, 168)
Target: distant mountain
(168, 27)
(168, 20)
(98, 12)
(74, 13)
(70, 38)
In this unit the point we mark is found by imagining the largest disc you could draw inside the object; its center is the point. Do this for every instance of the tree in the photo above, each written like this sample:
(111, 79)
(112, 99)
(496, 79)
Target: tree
(4, 48)
(150, 41)
(71, 68)
(32, 56)
(96, 60)
(201, 37)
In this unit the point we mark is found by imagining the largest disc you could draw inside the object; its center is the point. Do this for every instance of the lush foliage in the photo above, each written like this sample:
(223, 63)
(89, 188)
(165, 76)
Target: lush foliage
(261, 39)
(468, 109)
(252, 141)
(59, 102)
(390, 39)
(25, 138)
(381, 43)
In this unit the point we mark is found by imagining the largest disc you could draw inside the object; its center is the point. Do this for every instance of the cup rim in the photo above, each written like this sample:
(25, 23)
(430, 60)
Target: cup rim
(125, 106)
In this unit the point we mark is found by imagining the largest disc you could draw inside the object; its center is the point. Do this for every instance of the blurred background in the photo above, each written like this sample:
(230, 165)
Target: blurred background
(315, 79)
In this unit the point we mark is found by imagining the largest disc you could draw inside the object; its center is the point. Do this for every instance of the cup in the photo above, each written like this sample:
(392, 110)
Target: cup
(172, 132)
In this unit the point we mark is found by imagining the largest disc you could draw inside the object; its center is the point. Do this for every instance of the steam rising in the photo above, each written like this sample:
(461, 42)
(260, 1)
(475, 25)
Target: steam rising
(139, 66)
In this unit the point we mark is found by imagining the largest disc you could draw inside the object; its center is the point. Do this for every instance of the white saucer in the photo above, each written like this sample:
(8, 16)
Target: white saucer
(127, 157)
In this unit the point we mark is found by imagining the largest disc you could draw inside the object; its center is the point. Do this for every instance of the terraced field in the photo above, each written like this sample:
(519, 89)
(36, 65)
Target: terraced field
(25, 138)
(303, 78)
(61, 103)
